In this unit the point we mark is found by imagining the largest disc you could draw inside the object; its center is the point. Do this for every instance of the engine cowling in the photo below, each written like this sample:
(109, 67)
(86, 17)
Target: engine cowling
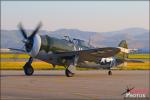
(36, 46)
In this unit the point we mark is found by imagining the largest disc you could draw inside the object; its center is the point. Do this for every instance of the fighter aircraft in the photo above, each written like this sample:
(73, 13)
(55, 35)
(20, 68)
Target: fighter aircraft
(64, 52)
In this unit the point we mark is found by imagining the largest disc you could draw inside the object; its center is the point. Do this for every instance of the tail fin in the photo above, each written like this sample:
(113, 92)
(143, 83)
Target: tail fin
(123, 44)
(124, 50)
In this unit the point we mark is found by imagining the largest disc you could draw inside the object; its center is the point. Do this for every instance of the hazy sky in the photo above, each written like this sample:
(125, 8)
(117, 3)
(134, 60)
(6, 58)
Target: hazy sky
(98, 16)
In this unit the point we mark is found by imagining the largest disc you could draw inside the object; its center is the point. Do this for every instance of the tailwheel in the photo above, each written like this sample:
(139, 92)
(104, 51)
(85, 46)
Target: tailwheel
(69, 73)
(28, 69)
(109, 72)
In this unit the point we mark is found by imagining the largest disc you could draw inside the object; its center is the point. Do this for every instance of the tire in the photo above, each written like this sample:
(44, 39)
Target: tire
(68, 73)
(28, 70)
(109, 72)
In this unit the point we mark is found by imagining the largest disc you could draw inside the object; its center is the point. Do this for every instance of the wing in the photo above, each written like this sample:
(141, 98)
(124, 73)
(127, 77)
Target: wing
(91, 54)
(95, 54)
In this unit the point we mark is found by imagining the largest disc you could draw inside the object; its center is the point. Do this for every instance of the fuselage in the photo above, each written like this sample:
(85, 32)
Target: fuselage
(62, 45)
(51, 46)
(48, 49)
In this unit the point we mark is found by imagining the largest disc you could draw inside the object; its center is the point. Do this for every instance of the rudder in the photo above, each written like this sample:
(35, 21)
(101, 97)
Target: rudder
(123, 44)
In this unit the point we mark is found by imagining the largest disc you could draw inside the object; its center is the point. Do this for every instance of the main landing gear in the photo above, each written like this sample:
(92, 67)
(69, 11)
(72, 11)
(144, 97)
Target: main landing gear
(69, 73)
(70, 70)
(28, 69)
(71, 67)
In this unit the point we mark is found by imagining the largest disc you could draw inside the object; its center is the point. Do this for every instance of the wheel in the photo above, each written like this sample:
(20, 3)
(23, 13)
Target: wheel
(28, 69)
(109, 72)
(68, 73)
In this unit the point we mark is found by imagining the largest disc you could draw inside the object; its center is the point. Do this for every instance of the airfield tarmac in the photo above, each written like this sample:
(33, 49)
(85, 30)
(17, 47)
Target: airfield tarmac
(51, 85)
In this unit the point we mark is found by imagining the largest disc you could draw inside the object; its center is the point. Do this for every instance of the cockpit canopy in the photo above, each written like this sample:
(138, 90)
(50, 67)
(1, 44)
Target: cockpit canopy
(78, 42)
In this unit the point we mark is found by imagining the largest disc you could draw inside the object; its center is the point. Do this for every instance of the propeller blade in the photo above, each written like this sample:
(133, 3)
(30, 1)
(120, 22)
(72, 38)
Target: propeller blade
(22, 31)
(36, 30)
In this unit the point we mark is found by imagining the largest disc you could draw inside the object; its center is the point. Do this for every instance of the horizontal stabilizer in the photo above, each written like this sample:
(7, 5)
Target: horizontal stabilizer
(124, 50)
(134, 61)
(17, 49)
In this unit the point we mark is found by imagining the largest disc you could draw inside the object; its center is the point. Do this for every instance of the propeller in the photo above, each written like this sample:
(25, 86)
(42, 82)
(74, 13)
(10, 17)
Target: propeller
(28, 40)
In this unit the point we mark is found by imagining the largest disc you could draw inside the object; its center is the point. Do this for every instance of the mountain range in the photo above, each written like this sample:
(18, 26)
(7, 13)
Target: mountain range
(136, 37)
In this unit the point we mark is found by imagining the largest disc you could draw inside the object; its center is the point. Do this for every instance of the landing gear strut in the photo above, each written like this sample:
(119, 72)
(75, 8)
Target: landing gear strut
(28, 69)
(109, 72)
